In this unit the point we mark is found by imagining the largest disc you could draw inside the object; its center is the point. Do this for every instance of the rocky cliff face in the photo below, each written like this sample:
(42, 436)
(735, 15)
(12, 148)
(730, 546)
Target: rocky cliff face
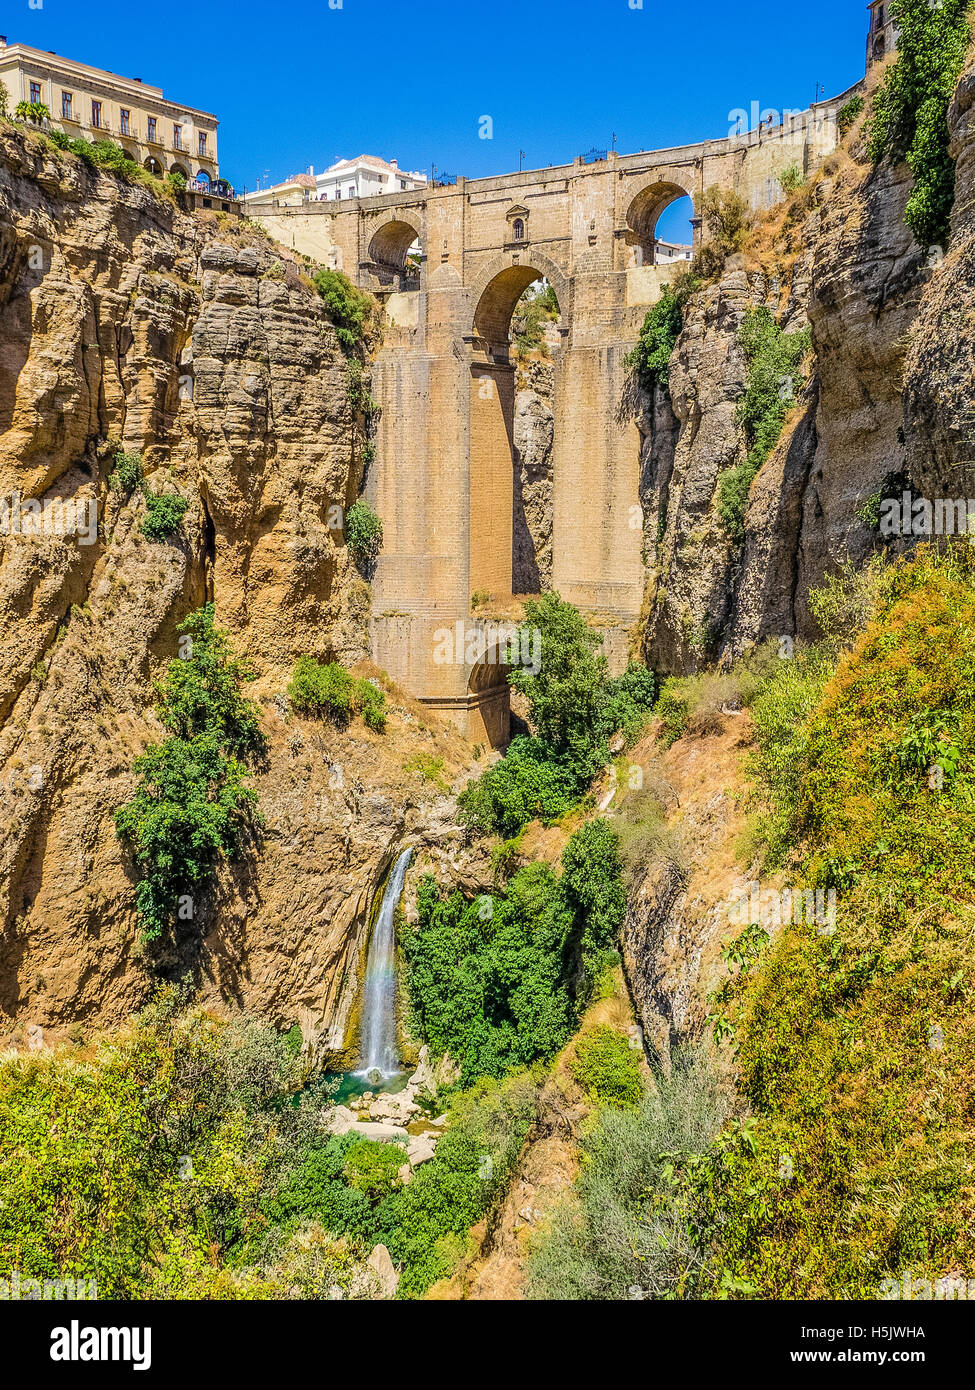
(841, 260)
(939, 413)
(194, 341)
(534, 432)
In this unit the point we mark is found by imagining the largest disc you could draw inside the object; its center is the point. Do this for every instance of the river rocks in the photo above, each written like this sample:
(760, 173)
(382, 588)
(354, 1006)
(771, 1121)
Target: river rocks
(396, 1109)
(420, 1149)
(386, 1273)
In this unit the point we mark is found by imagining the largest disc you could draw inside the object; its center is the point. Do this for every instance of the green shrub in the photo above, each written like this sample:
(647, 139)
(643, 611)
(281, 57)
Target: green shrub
(498, 982)
(910, 108)
(607, 1068)
(528, 783)
(126, 476)
(190, 810)
(191, 807)
(323, 689)
(363, 532)
(371, 703)
(774, 376)
(792, 179)
(661, 327)
(176, 181)
(349, 308)
(165, 512)
(202, 691)
(624, 1226)
(846, 116)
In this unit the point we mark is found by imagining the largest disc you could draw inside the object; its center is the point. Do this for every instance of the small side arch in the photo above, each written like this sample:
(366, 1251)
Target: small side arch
(646, 204)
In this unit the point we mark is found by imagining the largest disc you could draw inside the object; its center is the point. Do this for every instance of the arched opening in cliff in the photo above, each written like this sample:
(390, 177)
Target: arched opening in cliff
(659, 226)
(517, 337)
(396, 256)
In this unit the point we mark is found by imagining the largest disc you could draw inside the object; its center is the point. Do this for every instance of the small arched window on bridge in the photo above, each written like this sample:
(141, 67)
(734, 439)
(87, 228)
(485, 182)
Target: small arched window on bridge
(518, 230)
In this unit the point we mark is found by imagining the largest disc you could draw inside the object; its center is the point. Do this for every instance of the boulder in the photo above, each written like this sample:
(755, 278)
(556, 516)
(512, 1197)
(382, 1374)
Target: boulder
(387, 1276)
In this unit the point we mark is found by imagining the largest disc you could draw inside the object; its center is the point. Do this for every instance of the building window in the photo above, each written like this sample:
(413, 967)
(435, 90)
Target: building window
(35, 91)
(402, 183)
(202, 139)
(177, 137)
(518, 229)
(96, 115)
(123, 121)
(66, 114)
(880, 16)
(351, 192)
(151, 129)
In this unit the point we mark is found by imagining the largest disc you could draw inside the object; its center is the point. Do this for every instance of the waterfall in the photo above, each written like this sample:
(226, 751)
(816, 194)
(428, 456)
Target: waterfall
(380, 1052)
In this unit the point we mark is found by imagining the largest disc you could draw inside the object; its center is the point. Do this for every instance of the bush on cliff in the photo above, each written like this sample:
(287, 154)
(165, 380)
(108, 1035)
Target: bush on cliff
(574, 706)
(774, 377)
(192, 806)
(328, 690)
(349, 308)
(910, 108)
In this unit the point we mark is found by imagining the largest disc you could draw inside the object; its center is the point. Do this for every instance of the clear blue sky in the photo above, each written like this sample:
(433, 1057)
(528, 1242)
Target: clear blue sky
(299, 83)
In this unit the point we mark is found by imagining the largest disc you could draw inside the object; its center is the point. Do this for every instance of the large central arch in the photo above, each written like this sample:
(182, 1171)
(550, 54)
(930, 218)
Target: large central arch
(491, 475)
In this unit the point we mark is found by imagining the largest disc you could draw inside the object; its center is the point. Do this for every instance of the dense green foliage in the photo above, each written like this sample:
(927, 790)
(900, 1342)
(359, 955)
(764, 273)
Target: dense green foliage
(164, 512)
(774, 376)
(910, 108)
(192, 806)
(349, 308)
(187, 1157)
(854, 1044)
(574, 706)
(606, 1067)
(848, 113)
(529, 783)
(623, 1232)
(328, 690)
(126, 474)
(499, 981)
(651, 356)
(363, 532)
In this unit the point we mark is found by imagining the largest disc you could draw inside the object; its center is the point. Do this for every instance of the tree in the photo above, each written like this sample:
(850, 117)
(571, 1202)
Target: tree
(567, 696)
(33, 111)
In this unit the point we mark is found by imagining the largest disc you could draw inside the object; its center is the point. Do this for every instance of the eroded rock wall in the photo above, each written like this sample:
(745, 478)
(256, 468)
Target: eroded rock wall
(194, 341)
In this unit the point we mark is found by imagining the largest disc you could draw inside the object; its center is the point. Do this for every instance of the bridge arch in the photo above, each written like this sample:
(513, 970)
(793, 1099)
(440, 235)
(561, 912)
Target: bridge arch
(389, 244)
(500, 285)
(645, 207)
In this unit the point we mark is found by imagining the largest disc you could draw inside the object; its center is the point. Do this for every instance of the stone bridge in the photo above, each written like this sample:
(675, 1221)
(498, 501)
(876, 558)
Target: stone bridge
(442, 479)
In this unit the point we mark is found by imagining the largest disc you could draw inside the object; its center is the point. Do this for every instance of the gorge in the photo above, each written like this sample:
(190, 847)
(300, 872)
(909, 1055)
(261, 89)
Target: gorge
(255, 835)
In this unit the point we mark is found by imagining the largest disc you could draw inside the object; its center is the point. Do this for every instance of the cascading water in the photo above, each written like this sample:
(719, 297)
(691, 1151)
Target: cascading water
(380, 1053)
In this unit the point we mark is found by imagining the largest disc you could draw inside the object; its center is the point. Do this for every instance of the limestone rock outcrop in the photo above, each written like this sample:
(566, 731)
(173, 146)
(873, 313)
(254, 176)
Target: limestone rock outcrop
(201, 345)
